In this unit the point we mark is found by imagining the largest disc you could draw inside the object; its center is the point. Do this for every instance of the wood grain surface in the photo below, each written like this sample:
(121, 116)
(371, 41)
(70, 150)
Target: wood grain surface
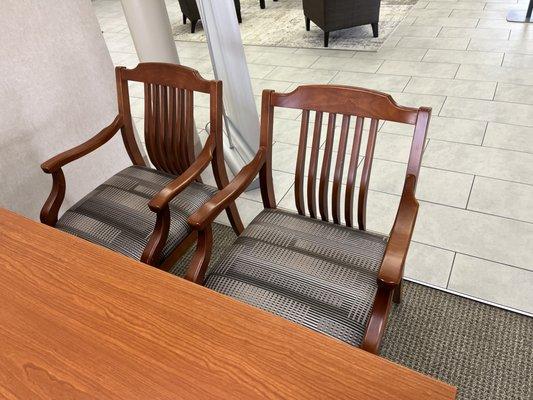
(78, 321)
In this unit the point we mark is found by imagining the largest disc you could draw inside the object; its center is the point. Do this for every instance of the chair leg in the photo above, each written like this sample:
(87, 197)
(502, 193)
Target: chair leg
(202, 255)
(397, 298)
(239, 17)
(262, 4)
(307, 24)
(375, 29)
(193, 26)
(235, 219)
(326, 39)
(184, 19)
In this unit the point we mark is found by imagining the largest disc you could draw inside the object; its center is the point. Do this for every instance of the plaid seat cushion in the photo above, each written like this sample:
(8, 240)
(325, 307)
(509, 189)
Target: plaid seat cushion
(116, 214)
(314, 273)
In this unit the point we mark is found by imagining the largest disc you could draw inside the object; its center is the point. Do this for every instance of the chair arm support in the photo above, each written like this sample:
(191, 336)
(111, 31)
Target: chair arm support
(391, 271)
(173, 188)
(209, 211)
(55, 163)
(50, 209)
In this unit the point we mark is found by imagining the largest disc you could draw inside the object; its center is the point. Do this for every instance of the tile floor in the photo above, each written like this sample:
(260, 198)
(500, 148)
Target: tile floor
(474, 234)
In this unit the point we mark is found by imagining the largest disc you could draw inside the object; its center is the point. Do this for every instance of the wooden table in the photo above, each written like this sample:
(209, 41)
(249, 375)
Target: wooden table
(78, 321)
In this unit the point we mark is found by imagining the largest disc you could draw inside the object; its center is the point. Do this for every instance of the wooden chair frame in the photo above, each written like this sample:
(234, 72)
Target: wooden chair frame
(349, 102)
(169, 129)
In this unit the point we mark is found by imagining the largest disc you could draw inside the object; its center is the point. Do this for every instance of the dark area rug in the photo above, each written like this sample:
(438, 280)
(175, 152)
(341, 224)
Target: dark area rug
(485, 351)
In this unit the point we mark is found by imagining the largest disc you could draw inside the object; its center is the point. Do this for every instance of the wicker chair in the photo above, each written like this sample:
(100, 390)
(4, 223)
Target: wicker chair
(142, 211)
(310, 269)
(189, 9)
(332, 15)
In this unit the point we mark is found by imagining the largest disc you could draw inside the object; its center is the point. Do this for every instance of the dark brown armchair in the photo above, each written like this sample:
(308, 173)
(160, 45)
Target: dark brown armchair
(142, 211)
(189, 9)
(333, 15)
(306, 266)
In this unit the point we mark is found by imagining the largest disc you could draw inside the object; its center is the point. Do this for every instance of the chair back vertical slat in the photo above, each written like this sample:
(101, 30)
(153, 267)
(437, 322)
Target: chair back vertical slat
(187, 134)
(365, 176)
(339, 169)
(180, 119)
(171, 131)
(162, 132)
(326, 168)
(313, 166)
(149, 122)
(352, 171)
(300, 163)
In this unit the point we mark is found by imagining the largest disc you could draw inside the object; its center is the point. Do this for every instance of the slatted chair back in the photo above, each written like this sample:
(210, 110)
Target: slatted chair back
(355, 108)
(169, 111)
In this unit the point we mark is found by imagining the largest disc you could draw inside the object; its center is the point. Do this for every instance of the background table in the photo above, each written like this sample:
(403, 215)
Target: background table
(78, 321)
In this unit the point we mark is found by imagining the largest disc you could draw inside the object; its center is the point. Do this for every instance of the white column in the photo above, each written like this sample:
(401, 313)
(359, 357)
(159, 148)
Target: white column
(151, 31)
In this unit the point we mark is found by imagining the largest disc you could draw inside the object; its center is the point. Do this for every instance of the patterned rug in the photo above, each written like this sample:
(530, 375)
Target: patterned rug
(485, 351)
(282, 24)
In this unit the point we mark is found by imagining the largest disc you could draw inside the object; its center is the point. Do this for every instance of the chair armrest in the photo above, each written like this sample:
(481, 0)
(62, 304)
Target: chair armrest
(55, 163)
(210, 210)
(173, 188)
(391, 271)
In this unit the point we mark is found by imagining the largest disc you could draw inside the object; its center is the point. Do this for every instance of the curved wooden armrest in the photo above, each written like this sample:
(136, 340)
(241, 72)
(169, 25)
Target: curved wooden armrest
(209, 211)
(55, 163)
(173, 188)
(391, 271)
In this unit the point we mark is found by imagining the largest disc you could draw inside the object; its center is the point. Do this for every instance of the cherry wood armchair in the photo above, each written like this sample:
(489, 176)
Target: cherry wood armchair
(142, 211)
(308, 267)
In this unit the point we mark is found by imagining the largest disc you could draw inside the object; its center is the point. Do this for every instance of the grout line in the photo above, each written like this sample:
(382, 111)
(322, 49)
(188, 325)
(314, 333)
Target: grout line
(470, 193)
(451, 270)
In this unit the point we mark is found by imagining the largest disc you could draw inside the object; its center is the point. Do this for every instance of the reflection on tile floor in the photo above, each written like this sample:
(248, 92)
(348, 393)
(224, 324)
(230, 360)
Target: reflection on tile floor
(474, 235)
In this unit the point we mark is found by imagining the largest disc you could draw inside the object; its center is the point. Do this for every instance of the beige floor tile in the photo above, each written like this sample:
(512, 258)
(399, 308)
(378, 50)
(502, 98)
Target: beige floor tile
(518, 60)
(448, 129)
(280, 59)
(448, 5)
(494, 282)
(437, 186)
(509, 137)
(452, 87)
(326, 53)
(464, 57)
(522, 35)
(301, 75)
(417, 31)
(478, 160)
(282, 183)
(514, 93)
(434, 43)
(428, 264)
(347, 64)
(503, 198)
(480, 33)
(429, 13)
(413, 68)
(392, 54)
(259, 71)
(508, 46)
(519, 76)
(447, 22)
(419, 100)
(483, 110)
(478, 14)
(258, 85)
(372, 81)
(480, 235)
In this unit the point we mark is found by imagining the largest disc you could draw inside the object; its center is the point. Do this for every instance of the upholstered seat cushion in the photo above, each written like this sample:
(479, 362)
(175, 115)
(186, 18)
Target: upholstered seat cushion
(315, 273)
(116, 214)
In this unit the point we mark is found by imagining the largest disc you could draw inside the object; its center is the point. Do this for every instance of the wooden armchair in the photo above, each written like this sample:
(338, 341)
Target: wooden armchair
(338, 280)
(142, 211)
